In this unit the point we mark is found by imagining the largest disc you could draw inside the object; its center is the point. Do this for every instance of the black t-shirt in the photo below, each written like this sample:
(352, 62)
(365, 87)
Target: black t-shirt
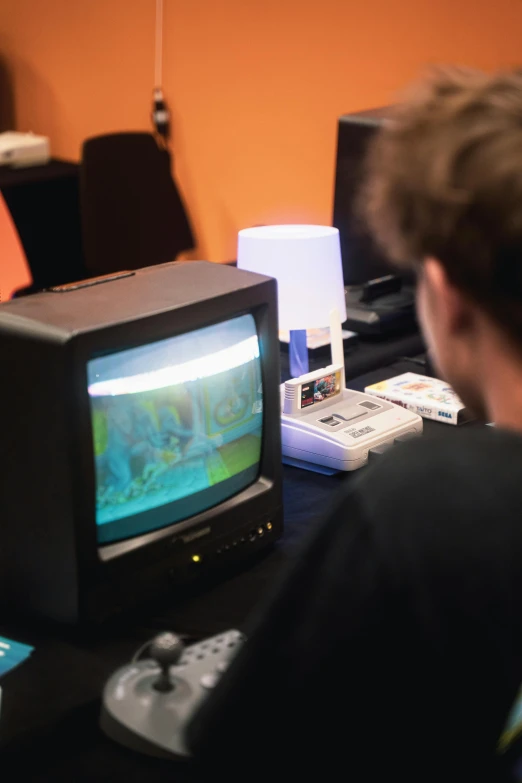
(392, 650)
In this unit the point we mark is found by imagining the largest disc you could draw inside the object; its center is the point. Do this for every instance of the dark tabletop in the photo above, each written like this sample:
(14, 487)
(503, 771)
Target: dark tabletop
(55, 169)
(49, 720)
(44, 202)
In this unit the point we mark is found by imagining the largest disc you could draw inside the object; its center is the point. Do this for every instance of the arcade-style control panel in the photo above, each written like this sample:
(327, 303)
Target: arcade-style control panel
(148, 703)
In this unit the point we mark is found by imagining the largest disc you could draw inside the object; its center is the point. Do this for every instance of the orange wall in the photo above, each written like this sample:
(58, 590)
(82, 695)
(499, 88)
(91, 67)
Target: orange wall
(255, 86)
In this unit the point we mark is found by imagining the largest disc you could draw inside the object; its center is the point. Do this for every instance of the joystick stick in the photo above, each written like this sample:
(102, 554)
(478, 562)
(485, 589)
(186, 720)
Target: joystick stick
(148, 703)
(166, 649)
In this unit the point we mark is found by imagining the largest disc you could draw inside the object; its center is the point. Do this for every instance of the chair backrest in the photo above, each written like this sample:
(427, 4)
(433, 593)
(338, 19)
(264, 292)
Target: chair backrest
(14, 269)
(132, 213)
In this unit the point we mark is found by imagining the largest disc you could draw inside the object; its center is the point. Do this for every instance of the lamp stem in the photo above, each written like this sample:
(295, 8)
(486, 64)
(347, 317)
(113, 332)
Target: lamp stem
(336, 342)
(298, 353)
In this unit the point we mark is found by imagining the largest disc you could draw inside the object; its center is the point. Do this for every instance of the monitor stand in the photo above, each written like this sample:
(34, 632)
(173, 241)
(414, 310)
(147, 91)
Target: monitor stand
(385, 313)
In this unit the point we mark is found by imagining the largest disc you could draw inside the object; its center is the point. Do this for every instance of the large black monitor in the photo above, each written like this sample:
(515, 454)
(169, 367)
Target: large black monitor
(362, 260)
(140, 441)
(379, 299)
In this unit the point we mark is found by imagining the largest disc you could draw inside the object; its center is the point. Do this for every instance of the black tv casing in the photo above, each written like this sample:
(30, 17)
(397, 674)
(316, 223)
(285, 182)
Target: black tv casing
(51, 564)
(362, 259)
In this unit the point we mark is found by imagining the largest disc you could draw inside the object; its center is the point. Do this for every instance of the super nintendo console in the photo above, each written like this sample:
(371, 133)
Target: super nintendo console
(327, 427)
(323, 423)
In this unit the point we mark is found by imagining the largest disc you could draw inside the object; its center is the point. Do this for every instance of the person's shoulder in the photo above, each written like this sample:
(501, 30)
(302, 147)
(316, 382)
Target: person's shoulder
(458, 452)
(452, 473)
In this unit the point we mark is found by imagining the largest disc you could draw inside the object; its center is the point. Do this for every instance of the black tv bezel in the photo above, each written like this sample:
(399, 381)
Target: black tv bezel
(257, 300)
(362, 258)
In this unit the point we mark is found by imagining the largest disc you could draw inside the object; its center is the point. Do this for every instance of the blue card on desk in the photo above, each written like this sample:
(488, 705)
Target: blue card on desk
(12, 654)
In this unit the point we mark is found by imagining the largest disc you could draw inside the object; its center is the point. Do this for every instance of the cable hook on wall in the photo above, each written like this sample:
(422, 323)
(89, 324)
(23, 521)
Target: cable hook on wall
(160, 111)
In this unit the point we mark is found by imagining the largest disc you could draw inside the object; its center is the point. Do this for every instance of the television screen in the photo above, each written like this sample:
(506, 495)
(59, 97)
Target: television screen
(177, 426)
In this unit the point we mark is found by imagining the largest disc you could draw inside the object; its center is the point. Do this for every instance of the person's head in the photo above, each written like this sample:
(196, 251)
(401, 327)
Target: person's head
(443, 197)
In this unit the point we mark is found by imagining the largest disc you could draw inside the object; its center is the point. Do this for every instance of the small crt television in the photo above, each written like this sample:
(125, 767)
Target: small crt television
(140, 443)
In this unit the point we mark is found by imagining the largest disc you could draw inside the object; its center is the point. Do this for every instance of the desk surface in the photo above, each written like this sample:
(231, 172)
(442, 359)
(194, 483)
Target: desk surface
(55, 169)
(44, 204)
(49, 723)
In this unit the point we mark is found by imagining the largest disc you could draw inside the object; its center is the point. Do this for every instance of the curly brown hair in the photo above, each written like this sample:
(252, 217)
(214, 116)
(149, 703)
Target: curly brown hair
(444, 180)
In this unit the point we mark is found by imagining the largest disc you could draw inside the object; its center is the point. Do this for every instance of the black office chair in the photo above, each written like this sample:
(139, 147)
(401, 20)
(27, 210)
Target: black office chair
(132, 213)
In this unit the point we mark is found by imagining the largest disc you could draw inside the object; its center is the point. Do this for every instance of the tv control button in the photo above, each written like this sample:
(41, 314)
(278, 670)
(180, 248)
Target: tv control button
(209, 680)
(222, 666)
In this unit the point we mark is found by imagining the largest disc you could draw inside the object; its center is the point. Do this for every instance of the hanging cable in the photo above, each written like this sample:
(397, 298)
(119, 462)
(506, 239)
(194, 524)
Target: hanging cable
(158, 59)
(160, 112)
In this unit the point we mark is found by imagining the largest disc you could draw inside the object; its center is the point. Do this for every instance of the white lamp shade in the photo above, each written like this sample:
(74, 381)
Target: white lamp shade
(306, 262)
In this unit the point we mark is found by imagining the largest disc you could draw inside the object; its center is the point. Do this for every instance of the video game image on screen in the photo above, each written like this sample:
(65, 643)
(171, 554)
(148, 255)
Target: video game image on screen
(177, 426)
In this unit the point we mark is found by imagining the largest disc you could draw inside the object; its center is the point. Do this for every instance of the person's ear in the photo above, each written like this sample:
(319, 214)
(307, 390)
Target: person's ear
(445, 301)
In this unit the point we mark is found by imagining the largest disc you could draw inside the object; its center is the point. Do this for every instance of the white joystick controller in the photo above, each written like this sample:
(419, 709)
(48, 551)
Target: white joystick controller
(166, 649)
(148, 710)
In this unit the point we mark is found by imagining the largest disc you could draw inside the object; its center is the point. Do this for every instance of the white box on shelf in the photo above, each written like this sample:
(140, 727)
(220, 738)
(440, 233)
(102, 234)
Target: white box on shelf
(23, 149)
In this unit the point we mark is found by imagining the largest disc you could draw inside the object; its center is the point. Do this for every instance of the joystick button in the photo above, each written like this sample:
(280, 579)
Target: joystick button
(209, 680)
